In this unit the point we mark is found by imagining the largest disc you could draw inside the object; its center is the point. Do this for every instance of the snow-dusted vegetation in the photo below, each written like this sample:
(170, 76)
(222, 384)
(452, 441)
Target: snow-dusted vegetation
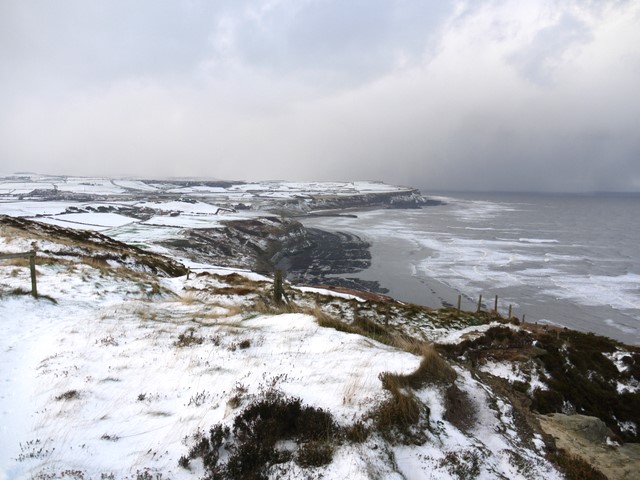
(117, 372)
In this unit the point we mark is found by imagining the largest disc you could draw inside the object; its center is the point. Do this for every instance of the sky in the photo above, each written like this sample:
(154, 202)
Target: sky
(444, 95)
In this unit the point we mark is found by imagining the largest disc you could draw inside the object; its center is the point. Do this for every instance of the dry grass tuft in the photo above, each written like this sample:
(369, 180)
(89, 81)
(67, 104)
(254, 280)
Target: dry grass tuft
(271, 308)
(400, 411)
(189, 297)
(18, 291)
(235, 279)
(236, 290)
(96, 262)
(357, 433)
(433, 369)
(352, 388)
(239, 392)
(412, 345)
(372, 329)
(328, 321)
(16, 262)
(361, 326)
(147, 314)
(231, 310)
(403, 417)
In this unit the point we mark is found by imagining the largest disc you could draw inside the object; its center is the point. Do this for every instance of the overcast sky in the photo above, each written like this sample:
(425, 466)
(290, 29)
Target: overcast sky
(467, 95)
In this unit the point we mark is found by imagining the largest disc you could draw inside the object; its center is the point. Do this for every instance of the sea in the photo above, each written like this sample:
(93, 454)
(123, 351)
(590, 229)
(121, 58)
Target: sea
(568, 260)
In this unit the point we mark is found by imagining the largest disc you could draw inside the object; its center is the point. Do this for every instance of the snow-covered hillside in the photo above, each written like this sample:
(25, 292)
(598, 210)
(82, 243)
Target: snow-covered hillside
(23, 192)
(233, 224)
(113, 370)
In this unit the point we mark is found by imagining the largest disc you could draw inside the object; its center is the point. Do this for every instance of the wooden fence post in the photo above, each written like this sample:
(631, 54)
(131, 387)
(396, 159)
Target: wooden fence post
(510, 312)
(459, 302)
(495, 305)
(480, 303)
(32, 267)
(277, 286)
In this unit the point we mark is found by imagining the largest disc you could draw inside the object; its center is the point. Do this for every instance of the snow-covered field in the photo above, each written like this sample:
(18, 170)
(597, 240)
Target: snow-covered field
(105, 204)
(111, 372)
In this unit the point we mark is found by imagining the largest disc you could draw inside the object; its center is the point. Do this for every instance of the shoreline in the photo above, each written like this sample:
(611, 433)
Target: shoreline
(394, 259)
(364, 267)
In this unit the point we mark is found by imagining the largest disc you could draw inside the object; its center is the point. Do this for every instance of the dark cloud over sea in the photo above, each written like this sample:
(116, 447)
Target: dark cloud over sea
(489, 95)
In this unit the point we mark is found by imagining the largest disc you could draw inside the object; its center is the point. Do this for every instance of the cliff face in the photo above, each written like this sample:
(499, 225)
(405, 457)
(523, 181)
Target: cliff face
(257, 244)
(407, 199)
(589, 438)
(305, 255)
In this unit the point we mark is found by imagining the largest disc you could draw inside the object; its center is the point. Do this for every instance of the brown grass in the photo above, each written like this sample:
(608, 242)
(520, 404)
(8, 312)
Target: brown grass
(327, 321)
(189, 297)
(15, 262)
(398, 415)
(270, 308)
(204, 314)
(403, 413)
(235, 279)
(371, 328)
(433, 369)
(231, 310)
(95, 262)
(412, 345)
(360, 325)
(235, 290)
(357, 432)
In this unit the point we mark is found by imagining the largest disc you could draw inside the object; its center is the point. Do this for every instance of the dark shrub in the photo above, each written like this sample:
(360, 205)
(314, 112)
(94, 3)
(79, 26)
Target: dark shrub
(256, 432)
(315, 454)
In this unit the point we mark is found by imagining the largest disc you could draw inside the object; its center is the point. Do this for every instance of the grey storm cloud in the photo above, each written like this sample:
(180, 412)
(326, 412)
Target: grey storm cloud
(489, 95)
(537, 60)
